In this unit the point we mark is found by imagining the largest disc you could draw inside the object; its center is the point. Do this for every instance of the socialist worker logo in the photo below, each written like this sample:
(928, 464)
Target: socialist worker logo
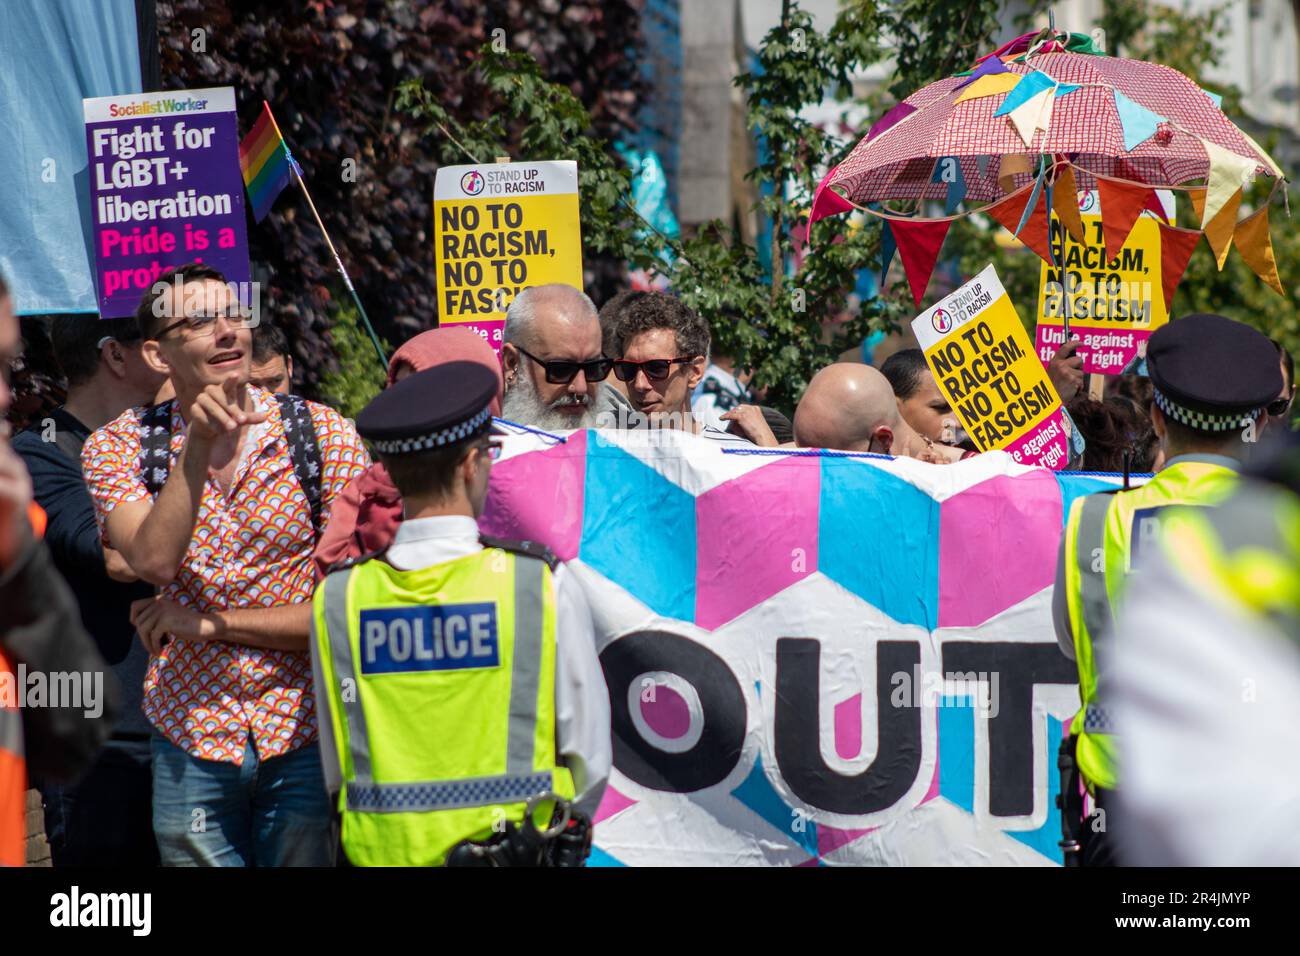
(471, 184)
(941, 321)
(1087, 201)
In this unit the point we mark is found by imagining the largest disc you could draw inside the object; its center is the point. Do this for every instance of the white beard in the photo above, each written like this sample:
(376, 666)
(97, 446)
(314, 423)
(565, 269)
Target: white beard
(524, 406)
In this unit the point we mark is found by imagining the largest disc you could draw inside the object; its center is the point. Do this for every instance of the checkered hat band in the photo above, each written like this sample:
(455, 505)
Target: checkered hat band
(447, 436)
(1097, 720)
(1201, 421)
(445, 795)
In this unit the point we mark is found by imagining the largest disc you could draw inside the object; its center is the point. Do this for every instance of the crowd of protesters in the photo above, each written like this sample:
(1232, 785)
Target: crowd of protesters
(193, 503)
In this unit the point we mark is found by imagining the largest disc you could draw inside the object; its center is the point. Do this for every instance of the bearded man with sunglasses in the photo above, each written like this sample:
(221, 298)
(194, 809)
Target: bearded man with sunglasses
(552, 359)
(219, 515)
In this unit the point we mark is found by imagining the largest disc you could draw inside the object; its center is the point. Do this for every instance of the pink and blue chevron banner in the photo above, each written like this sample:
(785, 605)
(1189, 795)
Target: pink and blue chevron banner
(812, 659)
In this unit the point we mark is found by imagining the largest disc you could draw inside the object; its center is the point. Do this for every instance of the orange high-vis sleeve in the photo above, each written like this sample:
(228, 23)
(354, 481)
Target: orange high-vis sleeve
(36, 516)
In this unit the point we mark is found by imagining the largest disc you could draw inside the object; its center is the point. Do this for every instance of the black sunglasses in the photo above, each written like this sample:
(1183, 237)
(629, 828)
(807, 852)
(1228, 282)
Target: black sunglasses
(563, 372)
(655, 369)
(1278, 407)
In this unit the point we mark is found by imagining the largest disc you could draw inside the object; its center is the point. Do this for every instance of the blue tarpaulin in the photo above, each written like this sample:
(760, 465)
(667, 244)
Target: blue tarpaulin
(54, 54)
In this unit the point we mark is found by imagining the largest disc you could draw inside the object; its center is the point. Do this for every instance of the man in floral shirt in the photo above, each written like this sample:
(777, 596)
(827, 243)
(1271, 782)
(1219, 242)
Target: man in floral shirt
(228, 540)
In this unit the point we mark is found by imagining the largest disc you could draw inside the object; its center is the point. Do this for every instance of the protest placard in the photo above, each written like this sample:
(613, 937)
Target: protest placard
(165, 189)
(499, 229)
(984, 365)
(1113, 306)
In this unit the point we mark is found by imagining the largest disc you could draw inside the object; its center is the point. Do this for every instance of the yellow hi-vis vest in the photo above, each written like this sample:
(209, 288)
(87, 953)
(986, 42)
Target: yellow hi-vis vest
(1105, 539)
(1244, 554)
(441, 697)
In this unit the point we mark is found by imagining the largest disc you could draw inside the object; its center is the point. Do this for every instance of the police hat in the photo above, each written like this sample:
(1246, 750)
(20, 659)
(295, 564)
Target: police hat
(1211, 373)
(441, 406)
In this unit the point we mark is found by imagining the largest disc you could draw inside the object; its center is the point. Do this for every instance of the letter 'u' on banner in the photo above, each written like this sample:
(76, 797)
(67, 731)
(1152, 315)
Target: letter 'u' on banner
(985, 365)
(499, 228)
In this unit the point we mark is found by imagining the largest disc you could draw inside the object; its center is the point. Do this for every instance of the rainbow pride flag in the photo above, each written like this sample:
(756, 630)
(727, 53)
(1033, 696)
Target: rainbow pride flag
(267, 163)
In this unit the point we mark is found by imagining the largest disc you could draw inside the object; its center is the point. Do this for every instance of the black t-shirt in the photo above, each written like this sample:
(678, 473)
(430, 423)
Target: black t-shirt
(72, 536)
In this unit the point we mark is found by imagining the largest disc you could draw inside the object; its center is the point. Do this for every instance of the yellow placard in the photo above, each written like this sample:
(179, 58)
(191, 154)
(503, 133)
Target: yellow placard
(1114, 305)
(985, 366)
(499, 229)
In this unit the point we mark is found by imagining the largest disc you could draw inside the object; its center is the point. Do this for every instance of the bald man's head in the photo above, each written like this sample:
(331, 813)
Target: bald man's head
(850, 407)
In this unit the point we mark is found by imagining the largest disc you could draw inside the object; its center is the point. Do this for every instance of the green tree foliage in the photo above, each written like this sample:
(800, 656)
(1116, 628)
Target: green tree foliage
(359, 376)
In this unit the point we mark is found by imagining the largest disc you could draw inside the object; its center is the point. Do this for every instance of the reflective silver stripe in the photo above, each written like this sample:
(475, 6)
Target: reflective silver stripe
(1092, 584)
(446, 794)
(1097, 720)
(345, 671)
(526, 672)
(11, 730)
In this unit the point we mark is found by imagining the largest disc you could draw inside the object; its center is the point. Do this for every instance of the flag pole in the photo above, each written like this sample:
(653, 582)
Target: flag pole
(347, 280)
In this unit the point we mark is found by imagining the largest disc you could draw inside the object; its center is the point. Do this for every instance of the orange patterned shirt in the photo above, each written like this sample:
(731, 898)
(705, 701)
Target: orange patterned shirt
(252, 548)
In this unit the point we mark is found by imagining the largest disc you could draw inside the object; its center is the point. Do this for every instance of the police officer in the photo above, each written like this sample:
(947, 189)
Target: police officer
(1207, 683)
(456, 676)
(1212, 379)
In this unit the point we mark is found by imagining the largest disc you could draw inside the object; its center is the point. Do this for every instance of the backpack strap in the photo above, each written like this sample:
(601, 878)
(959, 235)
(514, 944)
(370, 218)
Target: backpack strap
(531, 549)
(345, 564)
(300, 433)
(156, 445)
(304, 450)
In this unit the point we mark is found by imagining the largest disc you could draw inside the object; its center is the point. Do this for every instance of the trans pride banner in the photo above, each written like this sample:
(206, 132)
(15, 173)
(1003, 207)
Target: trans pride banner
(812, 659)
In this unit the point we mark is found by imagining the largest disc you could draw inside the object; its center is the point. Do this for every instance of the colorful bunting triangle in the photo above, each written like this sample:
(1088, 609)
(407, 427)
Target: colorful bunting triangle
(947, 171)
(887, 249)
(989, 86)
(1032, 115)
(1228, 173)
(1009, 166)
(1176, 247)
(1065, 200)
(1030, 86)
(1033, 201)
(1267, 160)
(1121, 204)
(1010, 212)
(1197, 196)
(989, 66)
(826, 201)
(1256, 247)
(919, 243)
(1219, 232)
(1155, 206)
(894, 116)
(1137, 123)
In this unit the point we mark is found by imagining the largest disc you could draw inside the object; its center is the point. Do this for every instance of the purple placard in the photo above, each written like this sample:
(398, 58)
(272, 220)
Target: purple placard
(165, 189)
